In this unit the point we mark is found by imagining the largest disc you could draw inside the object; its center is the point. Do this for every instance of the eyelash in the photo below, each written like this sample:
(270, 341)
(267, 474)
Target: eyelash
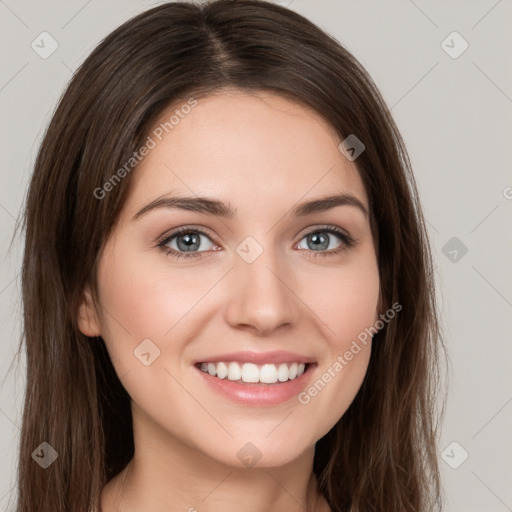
(347, 241)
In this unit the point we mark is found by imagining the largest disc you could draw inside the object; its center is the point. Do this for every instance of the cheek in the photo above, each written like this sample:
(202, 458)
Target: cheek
(140, 303)
(143, 301)
(347, 301)
(347, 308)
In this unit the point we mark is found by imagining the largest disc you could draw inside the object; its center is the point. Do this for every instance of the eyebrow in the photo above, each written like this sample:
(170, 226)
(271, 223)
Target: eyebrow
(214, 207)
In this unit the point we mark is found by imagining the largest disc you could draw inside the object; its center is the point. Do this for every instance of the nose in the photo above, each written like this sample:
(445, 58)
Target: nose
(261, 294)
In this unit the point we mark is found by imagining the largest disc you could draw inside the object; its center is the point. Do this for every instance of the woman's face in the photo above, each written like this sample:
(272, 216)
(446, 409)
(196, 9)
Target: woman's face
(266, 282)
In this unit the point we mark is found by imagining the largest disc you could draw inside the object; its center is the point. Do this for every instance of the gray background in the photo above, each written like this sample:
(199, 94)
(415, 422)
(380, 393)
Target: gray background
(454, 114)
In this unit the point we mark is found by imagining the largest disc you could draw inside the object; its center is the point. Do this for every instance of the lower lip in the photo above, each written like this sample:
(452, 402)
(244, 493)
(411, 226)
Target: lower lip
(259, 393)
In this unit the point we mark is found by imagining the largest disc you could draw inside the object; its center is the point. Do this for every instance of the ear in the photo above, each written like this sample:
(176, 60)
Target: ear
(87, 317)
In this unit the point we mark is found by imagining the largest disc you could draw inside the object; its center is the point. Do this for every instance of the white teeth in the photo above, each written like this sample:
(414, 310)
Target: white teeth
(268, 373)
(252, 373)
(234, 371)
(283, 373)
(222, 371)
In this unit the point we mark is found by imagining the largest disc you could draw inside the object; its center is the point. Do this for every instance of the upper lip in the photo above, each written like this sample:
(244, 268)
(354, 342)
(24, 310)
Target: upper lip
(274, 357)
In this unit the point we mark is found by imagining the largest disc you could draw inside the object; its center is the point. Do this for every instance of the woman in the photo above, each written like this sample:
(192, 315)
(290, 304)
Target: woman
(227, 283)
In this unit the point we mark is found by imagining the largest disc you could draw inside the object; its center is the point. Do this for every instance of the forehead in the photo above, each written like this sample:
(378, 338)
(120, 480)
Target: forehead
(244, 148)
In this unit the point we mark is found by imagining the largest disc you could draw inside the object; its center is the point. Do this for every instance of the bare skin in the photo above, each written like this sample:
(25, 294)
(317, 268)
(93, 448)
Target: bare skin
(263, 155)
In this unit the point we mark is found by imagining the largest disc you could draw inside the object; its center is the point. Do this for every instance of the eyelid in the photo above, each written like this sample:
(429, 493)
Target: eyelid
(183, 229)
(313, 228)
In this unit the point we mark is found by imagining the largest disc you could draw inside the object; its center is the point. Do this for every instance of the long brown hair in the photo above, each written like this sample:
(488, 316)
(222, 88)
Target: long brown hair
(381, 455)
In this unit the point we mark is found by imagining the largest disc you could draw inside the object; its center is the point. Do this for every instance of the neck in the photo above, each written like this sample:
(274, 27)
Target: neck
(166, 475)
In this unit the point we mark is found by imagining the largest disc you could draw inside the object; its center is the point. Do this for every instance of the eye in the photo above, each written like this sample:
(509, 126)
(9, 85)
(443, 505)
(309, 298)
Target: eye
(320, 240)
(184, 242)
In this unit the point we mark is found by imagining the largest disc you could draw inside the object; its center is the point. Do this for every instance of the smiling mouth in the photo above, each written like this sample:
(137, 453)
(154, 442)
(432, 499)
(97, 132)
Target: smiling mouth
(250, 373)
